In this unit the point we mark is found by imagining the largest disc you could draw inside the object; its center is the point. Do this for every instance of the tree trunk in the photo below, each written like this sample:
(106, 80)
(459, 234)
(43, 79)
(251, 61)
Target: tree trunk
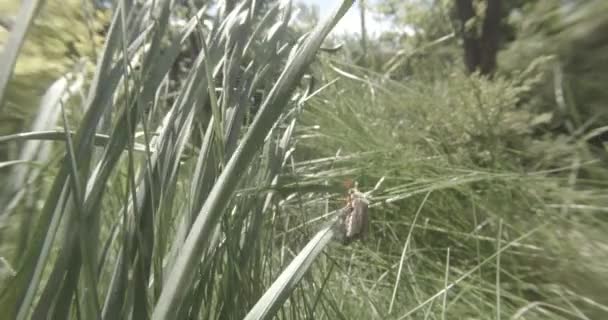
(490, 37)
(471, 43)
(363, 29)
(480, 50)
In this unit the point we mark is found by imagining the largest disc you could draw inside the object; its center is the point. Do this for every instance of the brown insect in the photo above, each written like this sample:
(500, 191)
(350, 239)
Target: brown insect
(354, 219)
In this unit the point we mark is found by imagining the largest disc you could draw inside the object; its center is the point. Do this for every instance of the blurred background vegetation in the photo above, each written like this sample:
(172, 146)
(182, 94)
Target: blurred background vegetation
(63, 33)
(184, 159)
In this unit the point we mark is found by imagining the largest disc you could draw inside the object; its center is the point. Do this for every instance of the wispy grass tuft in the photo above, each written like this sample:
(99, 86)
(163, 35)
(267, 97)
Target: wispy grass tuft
(494, 194)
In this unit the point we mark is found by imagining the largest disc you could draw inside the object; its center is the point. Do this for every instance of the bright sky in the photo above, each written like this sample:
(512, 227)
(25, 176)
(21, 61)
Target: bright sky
(350, 23)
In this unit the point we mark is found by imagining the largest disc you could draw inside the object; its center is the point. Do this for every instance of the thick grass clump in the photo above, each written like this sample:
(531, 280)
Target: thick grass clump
(157, 200)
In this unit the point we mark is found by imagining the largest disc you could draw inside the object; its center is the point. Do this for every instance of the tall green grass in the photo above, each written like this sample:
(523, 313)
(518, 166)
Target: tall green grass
(140, 221)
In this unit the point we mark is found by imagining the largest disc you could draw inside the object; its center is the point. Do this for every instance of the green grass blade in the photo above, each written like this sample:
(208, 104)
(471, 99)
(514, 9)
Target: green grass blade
(34, 259)
(12, 47)
(180, 277)
(282, 287)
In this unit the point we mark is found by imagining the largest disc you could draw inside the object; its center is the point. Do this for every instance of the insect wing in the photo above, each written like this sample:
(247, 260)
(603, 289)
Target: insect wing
(356, 222)
(361, 211)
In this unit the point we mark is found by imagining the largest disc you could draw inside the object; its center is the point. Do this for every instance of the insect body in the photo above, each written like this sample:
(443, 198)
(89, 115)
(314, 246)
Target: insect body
(354, 220)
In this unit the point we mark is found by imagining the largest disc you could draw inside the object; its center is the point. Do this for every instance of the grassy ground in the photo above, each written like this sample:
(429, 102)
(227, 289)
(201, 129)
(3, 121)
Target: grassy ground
(477, 215)
(160, 199)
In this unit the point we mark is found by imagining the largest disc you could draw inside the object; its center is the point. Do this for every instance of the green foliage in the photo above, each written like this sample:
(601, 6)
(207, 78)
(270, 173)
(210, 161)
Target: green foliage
(575, 36)
(522, 221)
(433, 18)
(169, 193)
